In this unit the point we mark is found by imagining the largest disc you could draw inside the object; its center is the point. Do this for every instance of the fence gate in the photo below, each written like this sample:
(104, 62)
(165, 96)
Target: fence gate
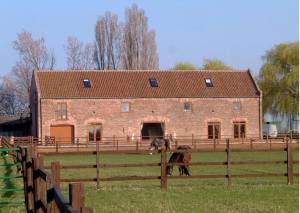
(11, 183)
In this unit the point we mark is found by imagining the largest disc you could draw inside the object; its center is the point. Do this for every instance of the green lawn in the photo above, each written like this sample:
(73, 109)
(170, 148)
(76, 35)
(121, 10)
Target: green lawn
(189, 195)
(198, 195)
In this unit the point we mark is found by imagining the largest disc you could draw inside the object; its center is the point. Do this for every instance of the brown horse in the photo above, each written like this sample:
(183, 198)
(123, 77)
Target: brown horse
(182, 155)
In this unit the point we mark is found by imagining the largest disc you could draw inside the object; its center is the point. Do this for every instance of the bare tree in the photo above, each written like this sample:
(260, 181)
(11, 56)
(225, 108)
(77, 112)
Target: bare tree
(138, 44)
(15, 90)
(108, 37)
(21, 78)
(73, 50)
(79, 56)
(9, 101)
(88, 57)
(32, 52)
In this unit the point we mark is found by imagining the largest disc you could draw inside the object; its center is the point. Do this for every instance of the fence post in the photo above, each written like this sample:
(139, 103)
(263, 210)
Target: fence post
(76, 196)
(51, 205)
(290, 169)
(137, 145)
(228, 162)
(55, 170)
(251, 145)
(214, 144)
(193, 142)
(29, 175)
(56, 146)
(114, 141)
(24, 168)
(163, 167)
(38, 188)
(97, 162)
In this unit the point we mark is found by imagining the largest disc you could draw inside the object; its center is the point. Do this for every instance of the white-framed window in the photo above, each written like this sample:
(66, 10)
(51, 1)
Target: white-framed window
(153, 82)
(208, 82)
(86, 83)
(125, 107)
(188, 106)
(62, 111)
(239, 129)
(237, 105)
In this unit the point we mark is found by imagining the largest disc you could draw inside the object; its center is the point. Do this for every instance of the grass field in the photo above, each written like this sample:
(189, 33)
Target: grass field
(10, 196)
(190, 195)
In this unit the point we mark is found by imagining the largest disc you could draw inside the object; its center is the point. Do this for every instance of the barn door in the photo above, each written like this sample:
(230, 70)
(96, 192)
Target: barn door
(63, 134)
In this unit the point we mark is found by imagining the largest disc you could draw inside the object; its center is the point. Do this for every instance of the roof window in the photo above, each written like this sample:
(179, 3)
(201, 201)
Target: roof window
(86, 83)
(208, 82)
(153, 82)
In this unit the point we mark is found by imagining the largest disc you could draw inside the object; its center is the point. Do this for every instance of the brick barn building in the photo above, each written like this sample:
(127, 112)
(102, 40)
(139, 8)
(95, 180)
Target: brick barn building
(99, 104)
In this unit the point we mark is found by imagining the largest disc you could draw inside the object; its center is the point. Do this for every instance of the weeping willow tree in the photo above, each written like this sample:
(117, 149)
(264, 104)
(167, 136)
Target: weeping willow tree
(215, 64)
(279, 80)
(185, 66)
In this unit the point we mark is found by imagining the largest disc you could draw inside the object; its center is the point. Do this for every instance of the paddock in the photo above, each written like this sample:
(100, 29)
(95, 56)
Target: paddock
(216, 172)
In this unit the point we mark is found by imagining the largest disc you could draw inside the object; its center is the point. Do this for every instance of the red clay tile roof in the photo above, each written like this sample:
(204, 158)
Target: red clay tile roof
(135, 84)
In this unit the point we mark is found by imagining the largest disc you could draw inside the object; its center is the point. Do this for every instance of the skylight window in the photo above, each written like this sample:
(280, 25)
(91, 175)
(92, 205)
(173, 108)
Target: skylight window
(208, 82)
(86, 83)
(153, 82)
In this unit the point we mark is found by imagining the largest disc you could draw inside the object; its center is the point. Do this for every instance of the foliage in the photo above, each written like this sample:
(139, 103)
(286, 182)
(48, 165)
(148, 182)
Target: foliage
(215, 64)
(279, 79)
(185, 66)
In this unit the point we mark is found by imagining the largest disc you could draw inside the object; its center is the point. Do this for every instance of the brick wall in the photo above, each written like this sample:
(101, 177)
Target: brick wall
(170, 111)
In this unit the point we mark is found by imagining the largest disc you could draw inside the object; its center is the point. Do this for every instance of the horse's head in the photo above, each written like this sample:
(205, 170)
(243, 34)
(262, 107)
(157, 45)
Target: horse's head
(169, 170)
(153, 145)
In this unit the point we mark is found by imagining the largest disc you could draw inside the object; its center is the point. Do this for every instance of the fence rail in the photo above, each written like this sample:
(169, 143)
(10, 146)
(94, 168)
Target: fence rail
(139, 140)
(40, 189)
(136, 143)
(289, 149)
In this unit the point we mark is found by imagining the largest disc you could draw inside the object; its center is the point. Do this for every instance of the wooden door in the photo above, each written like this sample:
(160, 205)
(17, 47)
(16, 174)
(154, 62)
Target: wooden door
(63, 134)
(94, 133)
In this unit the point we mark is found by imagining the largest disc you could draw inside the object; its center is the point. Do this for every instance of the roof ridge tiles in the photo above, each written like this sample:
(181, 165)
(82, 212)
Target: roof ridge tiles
(155, 70)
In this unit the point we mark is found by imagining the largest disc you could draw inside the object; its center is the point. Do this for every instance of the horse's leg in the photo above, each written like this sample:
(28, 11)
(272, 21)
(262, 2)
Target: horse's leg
(180, 170)
(171, 170)
(187, 171)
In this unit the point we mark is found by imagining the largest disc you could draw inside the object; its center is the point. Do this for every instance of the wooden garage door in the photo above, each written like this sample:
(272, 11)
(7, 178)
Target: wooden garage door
(62, 133)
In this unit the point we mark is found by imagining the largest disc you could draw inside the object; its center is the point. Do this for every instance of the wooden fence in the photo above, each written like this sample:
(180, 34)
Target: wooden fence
(56, 167)
(41, 192)
(136, 143)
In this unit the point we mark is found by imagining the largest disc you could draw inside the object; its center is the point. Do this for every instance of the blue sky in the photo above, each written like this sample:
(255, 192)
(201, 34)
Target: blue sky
(238, 32)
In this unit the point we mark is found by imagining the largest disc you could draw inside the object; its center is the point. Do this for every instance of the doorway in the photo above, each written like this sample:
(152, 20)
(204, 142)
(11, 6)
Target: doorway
(63, 134)
(214, 130)
(152, 130)
(94, 133)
